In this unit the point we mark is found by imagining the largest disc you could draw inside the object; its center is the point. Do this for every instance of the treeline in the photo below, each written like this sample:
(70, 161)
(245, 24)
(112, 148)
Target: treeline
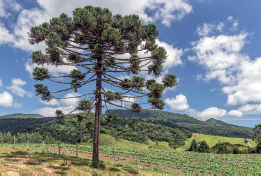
(23, 138)
(223, 148)
(20, 115)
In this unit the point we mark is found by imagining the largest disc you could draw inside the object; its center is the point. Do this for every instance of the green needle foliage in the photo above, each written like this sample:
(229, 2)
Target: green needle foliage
(100, 36)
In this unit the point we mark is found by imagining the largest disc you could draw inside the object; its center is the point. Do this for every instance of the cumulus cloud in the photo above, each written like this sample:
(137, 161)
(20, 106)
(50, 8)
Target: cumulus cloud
(6, 99)
(16, 88)
(1, 83)
(212, 112)
(248, 86)
(224, 60)
(52, 102)
(177, 103)
(50, 112)
(246, 109)
(165, 11)
(70, 101)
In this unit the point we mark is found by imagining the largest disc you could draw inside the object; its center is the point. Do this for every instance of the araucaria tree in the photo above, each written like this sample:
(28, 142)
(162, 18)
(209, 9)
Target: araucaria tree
(102, 39)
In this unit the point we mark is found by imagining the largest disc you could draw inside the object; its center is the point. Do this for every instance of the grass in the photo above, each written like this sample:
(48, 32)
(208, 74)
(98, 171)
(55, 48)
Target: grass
(212, 140)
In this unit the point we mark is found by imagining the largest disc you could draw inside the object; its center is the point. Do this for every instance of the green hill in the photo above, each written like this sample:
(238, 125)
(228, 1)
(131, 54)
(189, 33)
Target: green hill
(184, 121)
(20, 115)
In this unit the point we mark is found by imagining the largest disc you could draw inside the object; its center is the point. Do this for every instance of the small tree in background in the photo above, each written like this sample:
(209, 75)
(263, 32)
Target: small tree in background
(194, 146)
(257, 138)
(100, 36)
(203, 147)
(133, 123)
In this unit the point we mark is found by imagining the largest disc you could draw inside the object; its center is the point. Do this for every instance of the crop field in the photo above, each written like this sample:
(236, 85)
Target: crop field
(122, 161)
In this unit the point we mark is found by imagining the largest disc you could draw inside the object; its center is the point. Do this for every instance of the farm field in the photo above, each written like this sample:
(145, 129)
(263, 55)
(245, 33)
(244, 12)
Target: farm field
(128, 161)
(212, 140)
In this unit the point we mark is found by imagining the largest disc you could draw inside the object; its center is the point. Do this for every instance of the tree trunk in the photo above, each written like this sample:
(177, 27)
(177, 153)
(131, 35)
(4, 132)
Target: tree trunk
(97, 115)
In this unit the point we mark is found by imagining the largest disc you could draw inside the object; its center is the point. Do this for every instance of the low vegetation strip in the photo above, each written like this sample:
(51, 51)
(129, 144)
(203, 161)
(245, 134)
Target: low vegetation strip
(128, 161)
(213, 140)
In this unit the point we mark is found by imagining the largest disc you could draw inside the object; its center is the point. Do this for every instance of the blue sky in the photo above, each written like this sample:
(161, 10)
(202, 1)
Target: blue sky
(214, 50)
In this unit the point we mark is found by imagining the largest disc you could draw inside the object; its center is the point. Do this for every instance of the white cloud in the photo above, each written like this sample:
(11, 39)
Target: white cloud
(6, 99)
(55, 71)
(70, 101)
(166, 12)
(1, 83)
(35, 16)
(205, 29)
(52, 102)
(212, 112)
(177, 103)
(235, 113)
(14, 5)
(235, 23)
(5, 36)
(246, 109)
(174, 55)
(16, 89)
(248, 86)
(50, 112)
(220, 26)
(17, 105)
(223, 58)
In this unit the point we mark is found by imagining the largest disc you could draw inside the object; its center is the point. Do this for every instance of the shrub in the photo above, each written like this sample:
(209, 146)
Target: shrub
(204, 148)
(235, 150)
(194, 146)
(258, 148)
(222, 149)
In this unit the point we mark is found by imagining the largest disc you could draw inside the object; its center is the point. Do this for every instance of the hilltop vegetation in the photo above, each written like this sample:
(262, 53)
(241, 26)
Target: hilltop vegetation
(20, 115)
(18, 125)
(184, 121)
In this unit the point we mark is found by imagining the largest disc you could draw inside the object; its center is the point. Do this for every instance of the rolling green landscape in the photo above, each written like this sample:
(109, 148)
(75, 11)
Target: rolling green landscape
(154, 146)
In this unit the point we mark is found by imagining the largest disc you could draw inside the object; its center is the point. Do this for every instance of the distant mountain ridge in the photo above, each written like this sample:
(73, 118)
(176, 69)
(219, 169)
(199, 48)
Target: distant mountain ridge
(183, 121)
(21, 115)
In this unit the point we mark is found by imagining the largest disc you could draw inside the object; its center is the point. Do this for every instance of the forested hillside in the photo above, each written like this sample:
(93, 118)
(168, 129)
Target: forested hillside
(19, 125)
(71, 131)
(20, 115)
(155, 125)
(184, 121)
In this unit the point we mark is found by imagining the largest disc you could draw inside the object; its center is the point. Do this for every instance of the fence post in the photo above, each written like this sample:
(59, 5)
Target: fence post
(67, 150)
(14, 142)
(43, 144)
(187, 174)
(27, 144)
(114, 157)
(162, 168)
(76, 150)
(1, 141)
(137, 162)
(59, 147)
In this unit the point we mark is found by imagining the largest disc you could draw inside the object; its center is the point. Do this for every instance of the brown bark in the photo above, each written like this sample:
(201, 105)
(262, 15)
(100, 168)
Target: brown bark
(97, 114)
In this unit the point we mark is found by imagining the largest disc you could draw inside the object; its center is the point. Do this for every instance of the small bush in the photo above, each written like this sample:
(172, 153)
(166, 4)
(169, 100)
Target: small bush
(235, 150)
(258, 148)
(96, 173)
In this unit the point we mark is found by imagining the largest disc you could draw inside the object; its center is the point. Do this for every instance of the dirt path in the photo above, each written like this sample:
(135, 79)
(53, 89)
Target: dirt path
(249, 143)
